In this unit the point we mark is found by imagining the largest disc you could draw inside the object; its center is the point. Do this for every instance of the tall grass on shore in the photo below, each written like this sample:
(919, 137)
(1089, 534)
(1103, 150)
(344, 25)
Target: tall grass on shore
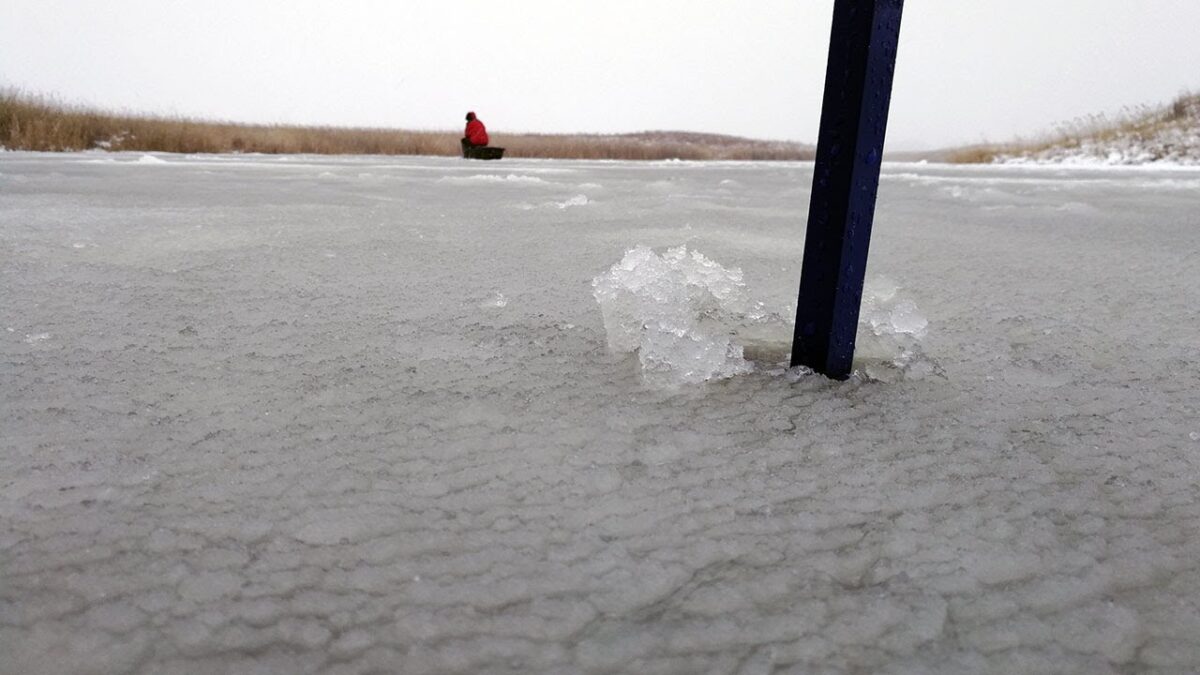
(30, 122)
(1144, 126)
(37, 123)
(651, 145)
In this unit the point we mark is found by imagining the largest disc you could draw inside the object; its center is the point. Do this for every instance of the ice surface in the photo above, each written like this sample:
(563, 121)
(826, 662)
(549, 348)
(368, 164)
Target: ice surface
(234, 454)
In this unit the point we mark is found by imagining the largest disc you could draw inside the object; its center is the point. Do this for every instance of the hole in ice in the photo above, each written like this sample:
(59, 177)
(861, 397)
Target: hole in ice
(689, 320)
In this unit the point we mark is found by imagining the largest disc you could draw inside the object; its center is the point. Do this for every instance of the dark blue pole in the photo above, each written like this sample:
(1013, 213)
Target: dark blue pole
(858, 91)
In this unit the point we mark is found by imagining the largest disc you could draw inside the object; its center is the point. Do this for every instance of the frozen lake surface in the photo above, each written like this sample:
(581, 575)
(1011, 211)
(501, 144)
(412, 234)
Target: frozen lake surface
(351, 415)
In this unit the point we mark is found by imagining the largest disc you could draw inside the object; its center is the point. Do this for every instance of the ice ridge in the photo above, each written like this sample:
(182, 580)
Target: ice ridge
(684, 315)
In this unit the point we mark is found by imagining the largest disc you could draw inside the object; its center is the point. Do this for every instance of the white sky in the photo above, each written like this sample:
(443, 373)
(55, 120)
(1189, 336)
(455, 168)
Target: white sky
(968, 69)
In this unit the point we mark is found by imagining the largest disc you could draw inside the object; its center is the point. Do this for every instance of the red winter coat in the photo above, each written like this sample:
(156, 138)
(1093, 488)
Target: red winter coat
(476, 133)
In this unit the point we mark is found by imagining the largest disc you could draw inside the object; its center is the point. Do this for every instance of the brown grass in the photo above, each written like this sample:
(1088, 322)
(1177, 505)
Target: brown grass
(655, 145)
(1138, 122)
(29, 122)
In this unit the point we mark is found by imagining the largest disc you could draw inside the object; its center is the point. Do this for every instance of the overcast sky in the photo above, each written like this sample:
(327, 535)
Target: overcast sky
(968, 69)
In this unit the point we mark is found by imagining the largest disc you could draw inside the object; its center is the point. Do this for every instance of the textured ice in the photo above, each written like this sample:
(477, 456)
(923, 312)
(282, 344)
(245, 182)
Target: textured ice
(890, 331)
(233, 454)
(687, 318)
(676, 312)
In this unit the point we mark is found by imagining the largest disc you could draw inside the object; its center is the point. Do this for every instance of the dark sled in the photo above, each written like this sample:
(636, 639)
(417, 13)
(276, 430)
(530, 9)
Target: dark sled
(482, 152)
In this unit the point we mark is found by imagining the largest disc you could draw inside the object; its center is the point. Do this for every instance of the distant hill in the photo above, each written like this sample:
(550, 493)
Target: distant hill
(29, 122)
(653, 145)
(1167, 134)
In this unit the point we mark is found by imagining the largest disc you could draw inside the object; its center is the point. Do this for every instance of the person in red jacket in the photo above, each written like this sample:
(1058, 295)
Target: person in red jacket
(476, 133)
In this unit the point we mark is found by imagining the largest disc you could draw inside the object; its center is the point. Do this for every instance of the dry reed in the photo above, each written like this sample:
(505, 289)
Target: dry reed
(30, 122)
(1136, 122)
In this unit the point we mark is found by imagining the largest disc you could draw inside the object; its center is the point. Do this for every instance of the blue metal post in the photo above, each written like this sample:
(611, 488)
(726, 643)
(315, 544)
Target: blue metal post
(858, 91)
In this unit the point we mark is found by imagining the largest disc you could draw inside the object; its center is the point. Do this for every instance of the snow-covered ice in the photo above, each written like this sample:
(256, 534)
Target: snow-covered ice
(276, 417)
